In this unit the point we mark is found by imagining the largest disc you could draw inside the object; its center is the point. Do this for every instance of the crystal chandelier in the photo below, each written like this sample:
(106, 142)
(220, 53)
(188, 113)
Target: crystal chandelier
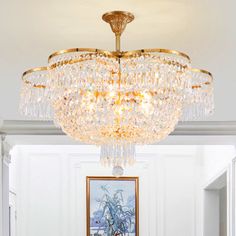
(117, 99)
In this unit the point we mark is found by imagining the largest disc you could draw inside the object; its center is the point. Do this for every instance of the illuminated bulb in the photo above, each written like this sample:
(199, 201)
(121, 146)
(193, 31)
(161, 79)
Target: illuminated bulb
(147, 109)
(112, 94)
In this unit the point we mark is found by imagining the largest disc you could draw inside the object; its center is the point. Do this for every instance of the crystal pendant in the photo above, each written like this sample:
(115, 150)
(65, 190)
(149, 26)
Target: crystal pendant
(114, 155)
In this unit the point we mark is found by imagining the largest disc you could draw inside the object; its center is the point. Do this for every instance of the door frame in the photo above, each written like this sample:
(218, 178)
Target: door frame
(213, 185)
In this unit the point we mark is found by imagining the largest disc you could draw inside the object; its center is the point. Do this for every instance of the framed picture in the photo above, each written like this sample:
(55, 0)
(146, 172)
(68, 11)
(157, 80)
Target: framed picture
(112, 206)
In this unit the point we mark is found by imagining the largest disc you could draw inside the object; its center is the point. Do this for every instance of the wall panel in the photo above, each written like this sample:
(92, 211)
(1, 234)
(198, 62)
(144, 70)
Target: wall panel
(51, 188)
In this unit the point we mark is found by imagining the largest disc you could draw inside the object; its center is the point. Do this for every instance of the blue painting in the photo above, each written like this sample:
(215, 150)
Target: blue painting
(112, 206)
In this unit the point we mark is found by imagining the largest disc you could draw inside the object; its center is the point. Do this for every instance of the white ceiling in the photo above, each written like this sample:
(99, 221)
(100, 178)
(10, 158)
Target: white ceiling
(204, 29)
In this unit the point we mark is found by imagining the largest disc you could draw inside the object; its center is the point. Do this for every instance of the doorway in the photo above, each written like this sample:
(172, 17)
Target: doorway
(215, 207)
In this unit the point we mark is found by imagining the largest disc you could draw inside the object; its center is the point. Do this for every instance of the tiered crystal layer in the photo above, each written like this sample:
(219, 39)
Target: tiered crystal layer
(35, 99)
(199, 100)
(100, 99)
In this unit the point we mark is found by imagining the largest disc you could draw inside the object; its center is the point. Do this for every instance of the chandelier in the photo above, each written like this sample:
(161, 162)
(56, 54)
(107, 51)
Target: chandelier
(117, 99)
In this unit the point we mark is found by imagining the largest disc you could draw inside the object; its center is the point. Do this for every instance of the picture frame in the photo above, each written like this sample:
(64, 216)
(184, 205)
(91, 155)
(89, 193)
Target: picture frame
(112, 206)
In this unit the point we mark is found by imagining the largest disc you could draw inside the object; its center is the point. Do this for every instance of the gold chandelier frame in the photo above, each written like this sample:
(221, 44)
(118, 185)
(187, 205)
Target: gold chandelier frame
(118, 21)
(117, 99)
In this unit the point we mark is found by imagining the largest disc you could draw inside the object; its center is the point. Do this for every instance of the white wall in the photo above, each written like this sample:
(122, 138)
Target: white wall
(50, 187)
(216, 160)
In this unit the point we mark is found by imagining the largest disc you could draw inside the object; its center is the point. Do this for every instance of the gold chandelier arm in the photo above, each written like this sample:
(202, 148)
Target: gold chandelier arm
(157, 50)
(33, 70)
(90, 50)
(202, 71)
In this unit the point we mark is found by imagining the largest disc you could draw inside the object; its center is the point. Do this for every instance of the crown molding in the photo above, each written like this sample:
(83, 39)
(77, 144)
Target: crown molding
(191, 128)
(29, 127)
(206, 128)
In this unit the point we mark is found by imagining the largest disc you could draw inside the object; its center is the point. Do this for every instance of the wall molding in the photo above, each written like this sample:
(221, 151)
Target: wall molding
(232, 198)
(23, 127)
(5, 151)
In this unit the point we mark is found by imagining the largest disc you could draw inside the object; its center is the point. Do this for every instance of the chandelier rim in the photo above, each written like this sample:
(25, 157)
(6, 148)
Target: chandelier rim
(32, 70)
(35, 69)
(202, 71)
(116, 54)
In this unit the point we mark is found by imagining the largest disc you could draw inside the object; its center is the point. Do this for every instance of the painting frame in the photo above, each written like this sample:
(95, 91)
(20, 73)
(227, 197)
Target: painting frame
(109, 178)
